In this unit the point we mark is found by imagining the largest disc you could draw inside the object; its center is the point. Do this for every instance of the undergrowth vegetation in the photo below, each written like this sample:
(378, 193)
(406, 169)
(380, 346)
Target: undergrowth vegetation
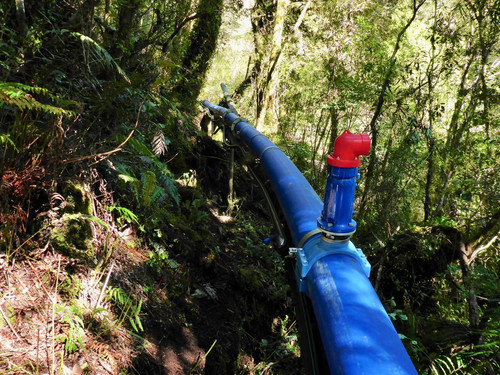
(123, 248)
(117, 253)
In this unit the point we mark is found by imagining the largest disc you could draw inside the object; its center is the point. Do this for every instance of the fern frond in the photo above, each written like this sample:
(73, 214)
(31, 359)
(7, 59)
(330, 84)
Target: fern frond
(137, 146)
(445, 365)
(18, 95)
(167, 182)
(159, 195)
(100, 54)
(163, 177)
(5, 139)
(127, 176)
(160, 143)
(148, 180)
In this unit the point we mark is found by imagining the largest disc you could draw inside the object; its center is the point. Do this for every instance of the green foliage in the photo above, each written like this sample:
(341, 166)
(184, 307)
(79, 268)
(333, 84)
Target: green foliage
(445, 365)
(129, 309)
(73, 339)
(196, 214)
(155, 185)
(124, 215)
(128, 66)
(160, 260)
(300, 153)
(94, 52)
(283, 345)
(394, 313)
(6, 140)
(19, 96)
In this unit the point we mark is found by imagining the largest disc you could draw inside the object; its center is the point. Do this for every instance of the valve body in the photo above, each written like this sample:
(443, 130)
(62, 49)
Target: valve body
(336, 216)
(336, 220)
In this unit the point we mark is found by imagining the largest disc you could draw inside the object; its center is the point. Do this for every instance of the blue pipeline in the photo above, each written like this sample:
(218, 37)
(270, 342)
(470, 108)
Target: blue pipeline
(358, 336)
(298, 200)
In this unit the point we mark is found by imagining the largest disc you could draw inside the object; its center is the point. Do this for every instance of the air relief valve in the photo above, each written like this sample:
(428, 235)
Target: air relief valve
(336, 221)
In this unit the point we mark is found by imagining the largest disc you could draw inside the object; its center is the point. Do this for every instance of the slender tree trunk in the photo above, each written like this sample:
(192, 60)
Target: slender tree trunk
(267, 64)
(22, 28)
(431, 143)
(230, 197)
(466, 276)
(334, 128)
(177, 30)
(269, 80)
(428, 180)
(461, 95)
(318, 138)
(370, 172)
(443, 194)
(388, 146)
(200, 51)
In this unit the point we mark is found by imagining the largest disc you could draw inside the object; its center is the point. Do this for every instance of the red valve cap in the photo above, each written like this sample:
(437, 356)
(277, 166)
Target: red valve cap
(347, 149)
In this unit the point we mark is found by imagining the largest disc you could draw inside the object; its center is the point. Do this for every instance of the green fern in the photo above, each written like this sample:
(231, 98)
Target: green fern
(73, 339)
(445, 365)
(129, 309)
(141, 149)
(99, 54)
(164, 181)
(167, 182)
(125, 213)
(5, 139)
(148, 180)
(18, 95)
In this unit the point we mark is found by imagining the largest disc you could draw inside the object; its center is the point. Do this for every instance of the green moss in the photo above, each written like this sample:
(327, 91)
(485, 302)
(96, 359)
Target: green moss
(251, 279)
(77, 198)
(71, 287)
(180, 222)
(73, 234)
(73, 237)
(10, 314)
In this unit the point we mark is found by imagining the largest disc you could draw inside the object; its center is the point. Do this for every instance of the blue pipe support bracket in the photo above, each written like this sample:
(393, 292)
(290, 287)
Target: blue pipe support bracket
(357, 334)
(336, 216)
(317, 248)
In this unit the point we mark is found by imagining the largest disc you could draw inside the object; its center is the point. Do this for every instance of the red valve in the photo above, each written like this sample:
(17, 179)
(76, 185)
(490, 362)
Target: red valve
(347, 149)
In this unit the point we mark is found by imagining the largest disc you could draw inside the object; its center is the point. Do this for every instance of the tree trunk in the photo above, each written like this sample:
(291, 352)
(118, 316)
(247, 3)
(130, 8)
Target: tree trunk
(370, 172)
(200, 51)
(22, 28)
(466, 276)
(431, 143)
(269, 80)
(81, 20)
(334, 128)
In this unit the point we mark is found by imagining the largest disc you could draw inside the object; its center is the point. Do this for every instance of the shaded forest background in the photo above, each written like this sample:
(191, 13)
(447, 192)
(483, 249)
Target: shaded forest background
(114, 203)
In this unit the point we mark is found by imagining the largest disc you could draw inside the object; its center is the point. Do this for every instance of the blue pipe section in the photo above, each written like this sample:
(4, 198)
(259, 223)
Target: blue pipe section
(300, 203)
(357, 334)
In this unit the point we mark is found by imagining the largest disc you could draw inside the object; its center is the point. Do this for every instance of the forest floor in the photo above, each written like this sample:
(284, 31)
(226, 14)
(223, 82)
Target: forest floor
(214, 303)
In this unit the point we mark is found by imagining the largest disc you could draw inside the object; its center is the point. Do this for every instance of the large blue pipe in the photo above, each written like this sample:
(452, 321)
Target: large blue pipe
(358, 336)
